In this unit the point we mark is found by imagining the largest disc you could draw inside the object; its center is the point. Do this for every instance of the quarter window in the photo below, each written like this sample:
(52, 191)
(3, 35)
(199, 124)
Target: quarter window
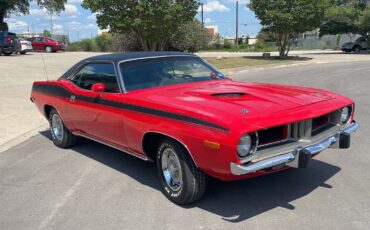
(97, 73)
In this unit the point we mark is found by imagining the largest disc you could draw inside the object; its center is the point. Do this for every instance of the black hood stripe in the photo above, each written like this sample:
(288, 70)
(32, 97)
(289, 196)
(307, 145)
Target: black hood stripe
(60, 91)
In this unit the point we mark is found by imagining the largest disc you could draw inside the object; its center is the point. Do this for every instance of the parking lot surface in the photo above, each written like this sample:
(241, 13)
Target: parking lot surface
(92, 186)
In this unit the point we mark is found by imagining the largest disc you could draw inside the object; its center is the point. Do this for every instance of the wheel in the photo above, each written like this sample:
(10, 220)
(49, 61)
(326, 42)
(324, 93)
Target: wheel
(7, 54)
(61, 136)
(23, 52)
(357, 49)
(48, 49)
(182, 182)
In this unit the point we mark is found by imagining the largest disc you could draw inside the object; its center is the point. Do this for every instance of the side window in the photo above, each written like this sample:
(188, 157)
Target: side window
(97, 73)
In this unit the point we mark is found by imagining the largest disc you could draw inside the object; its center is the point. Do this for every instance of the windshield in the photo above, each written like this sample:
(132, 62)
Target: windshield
(163, 71)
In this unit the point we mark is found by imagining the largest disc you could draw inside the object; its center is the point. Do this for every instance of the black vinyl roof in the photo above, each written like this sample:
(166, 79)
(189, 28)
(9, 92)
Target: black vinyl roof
(133, 55)
(121, 57)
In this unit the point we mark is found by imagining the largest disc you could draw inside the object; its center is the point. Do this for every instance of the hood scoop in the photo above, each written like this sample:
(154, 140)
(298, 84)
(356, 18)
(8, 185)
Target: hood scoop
(229, 94)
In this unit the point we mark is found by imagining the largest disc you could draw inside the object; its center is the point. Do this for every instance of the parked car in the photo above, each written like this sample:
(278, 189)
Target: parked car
(26, 46)
(176, 110)
(8, 43)
(361, 43)
(46, 44)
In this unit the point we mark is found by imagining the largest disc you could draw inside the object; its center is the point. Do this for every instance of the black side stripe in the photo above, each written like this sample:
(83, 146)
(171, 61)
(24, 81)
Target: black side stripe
(63, 92)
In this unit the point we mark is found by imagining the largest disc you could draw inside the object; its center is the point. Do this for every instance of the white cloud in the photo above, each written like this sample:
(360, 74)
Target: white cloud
(214, 6)
(70, 9)
(91, 26)
(58, 29)
(240, 1)
(38, 12)
(16, 24)
(208, 20)
(92, 17)
(75, 1)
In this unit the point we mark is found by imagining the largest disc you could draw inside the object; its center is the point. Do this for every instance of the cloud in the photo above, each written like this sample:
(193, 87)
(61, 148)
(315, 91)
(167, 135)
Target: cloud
(58, 29)
(16, 24)
(240, 1)
(208, 20)
(75, 1)
(92, 17)
(91, 26)
(38, 12)
(214, 6)
(70, 9)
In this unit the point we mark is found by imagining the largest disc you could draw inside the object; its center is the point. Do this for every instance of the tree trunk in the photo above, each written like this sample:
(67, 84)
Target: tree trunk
(3, 25)
(284, 43)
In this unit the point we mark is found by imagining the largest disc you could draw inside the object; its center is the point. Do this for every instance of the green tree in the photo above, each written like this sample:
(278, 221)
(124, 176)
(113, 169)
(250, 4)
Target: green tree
(339, 20)
(192, 36)
(152, 22)
(286, 18)
(8, 7)
(46, 33)
(103, 42)
(363, 22)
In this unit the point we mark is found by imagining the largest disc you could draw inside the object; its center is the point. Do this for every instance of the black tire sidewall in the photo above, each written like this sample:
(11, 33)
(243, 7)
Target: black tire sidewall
(175, 196)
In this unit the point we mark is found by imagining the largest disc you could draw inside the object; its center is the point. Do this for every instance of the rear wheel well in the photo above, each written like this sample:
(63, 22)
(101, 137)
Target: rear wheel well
(151, 141)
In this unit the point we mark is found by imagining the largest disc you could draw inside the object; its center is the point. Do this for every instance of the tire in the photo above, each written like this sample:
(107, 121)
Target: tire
(189, 181)
(61, 136)
(48, 49)
(23, 52)
(356, 49)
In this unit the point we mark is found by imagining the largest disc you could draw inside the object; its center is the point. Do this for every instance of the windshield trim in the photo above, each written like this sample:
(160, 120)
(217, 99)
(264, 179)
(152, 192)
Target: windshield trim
(153, 57)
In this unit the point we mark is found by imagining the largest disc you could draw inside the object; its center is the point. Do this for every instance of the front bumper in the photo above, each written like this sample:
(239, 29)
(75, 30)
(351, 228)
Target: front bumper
(299, 157)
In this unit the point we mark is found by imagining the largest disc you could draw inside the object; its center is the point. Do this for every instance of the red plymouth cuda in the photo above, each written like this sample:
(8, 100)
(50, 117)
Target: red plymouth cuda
(178, 111)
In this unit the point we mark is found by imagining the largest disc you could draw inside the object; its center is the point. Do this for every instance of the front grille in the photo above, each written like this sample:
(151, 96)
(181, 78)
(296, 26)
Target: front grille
(272, 135)
(296, 131)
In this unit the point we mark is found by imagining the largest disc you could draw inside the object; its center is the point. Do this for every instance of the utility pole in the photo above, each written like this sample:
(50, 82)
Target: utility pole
(33, 29)
(237, 25)
(201, 8)
(51, 23)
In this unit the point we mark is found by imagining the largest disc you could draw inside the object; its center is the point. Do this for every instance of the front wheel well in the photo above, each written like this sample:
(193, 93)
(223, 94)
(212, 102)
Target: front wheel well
(151, 141)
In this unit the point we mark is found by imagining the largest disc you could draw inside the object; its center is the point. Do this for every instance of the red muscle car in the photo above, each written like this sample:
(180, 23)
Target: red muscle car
(178, 111)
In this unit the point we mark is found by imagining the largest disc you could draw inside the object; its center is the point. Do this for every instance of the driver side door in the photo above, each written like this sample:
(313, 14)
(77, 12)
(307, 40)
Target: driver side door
(88, 111)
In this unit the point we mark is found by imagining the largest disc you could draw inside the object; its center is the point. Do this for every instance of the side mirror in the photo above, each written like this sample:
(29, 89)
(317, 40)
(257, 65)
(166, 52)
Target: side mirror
(98, 87)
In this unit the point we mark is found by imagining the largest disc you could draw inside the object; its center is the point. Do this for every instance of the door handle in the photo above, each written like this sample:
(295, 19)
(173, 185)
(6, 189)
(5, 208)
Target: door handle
(72, 98)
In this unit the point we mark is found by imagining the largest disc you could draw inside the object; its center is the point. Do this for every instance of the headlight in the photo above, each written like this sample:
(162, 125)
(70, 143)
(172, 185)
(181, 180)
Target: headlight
(345, 115)
(247, 145)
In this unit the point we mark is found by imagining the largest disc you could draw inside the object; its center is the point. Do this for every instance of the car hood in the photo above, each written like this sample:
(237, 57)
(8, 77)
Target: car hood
(228, 102)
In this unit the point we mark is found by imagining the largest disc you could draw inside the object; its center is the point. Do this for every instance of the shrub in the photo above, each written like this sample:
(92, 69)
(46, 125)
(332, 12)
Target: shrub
(227, 44)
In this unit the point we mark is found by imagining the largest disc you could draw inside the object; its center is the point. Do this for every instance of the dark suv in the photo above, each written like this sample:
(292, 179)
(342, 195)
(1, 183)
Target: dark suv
(9, 43)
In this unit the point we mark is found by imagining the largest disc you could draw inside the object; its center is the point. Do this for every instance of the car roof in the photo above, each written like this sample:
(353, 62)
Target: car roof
(134, 55)
(121, 57)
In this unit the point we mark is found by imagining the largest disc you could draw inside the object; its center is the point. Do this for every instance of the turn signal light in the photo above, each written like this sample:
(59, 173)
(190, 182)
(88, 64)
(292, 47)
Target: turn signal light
(211, 144)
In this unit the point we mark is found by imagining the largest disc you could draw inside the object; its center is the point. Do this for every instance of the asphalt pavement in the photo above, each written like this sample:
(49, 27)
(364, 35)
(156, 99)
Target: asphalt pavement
(92, 186)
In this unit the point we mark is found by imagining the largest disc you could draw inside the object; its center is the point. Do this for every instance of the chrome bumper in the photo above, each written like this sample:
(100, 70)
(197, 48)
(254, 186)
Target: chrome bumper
(300, 157)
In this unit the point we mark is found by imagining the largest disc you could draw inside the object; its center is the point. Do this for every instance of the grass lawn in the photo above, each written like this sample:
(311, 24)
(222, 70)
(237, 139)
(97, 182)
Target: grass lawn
(233, 62)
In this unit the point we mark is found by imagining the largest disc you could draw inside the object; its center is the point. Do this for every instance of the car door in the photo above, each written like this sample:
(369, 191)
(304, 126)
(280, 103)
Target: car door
(89, 111)
(36, 43)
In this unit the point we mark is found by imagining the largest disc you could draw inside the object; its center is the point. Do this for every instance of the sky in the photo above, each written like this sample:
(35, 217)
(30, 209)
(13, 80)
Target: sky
(79, 23)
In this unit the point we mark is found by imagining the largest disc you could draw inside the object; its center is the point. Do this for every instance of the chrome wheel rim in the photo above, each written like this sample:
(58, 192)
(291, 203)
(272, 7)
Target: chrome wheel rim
(57, 127)
(171, 169)
(48, 49)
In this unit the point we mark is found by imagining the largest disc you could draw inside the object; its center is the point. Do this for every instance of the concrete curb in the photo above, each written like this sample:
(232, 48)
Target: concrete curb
(21, 138)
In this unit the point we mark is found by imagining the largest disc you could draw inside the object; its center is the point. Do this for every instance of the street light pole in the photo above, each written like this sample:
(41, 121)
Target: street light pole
(201, 8)
(237, 25)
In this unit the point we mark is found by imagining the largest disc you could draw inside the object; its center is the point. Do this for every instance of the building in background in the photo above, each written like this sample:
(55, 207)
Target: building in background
(212, 29)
